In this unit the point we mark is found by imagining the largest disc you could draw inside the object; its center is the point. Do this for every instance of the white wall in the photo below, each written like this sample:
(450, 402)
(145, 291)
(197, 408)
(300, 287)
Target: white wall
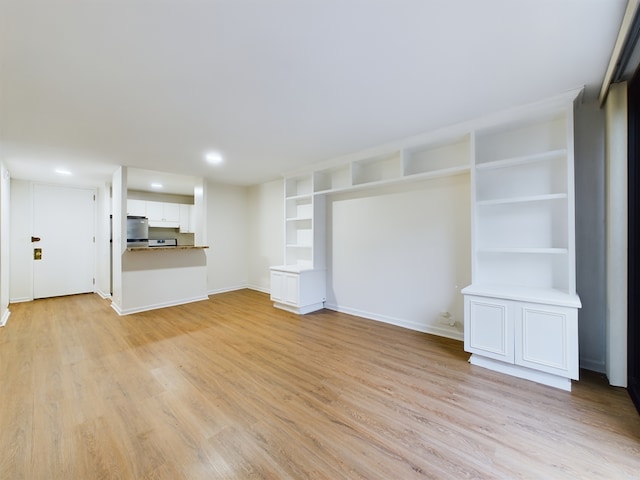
(401, 254)
(226, 236)
(5, 242)
(119, 233)
(590, 234)
(21, 274)
(265, 232)
(103, 246)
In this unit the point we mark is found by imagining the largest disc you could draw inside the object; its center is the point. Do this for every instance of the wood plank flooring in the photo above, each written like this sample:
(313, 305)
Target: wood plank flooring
(232, 388)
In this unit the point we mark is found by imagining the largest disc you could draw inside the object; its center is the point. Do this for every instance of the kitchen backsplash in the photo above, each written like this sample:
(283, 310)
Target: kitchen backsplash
(164, 233)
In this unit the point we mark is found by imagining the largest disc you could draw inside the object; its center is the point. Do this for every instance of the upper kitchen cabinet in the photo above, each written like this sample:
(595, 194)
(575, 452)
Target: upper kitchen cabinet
(136, 208)
(187, 219)
(163, 214)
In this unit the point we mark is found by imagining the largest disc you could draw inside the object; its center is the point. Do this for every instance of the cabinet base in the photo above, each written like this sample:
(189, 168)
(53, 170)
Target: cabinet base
(522, 372)
(299, 310)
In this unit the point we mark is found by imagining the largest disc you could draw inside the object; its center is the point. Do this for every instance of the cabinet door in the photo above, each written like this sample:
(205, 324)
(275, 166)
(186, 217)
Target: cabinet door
(277, 286)
(171, 212)
(291, 288)
(488, 329)
(154, 211)
(547, 339)
(137, 207)
(186, 219)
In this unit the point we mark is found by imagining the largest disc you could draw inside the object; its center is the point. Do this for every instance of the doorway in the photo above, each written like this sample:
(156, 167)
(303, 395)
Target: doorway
(63, 240)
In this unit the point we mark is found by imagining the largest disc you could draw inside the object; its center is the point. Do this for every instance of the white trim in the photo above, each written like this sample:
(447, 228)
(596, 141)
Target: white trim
(21, 299)
(593, 365)
(103, 294)
(623, 35)
(439, 330)
(227, 289)
(5, 317)
(616, 205)
(259, 289)
(522, 372)
(130, 311)
(299, 310)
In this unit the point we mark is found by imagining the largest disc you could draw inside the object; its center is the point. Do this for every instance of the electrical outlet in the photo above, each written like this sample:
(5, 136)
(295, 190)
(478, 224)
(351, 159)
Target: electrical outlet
(446, 318)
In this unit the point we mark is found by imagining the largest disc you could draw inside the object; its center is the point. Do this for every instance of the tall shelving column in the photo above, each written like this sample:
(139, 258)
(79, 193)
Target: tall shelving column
(521, 308)
(299, 285)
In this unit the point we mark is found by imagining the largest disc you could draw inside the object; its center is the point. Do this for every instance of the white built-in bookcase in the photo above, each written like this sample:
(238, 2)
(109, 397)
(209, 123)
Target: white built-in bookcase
(524, 206)
(521, 308)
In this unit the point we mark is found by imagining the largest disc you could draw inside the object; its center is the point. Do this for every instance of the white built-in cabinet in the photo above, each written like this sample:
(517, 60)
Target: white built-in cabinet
(300, 284)
(521, 308)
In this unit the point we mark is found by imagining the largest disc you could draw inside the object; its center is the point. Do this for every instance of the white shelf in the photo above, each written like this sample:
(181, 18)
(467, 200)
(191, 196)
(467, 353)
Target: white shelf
(291, 268)
(299, 197)
(445, 172)
(299, 245)
(522, 160)
(298, 219)
(529, 294)
(524, 199)
(533, 250)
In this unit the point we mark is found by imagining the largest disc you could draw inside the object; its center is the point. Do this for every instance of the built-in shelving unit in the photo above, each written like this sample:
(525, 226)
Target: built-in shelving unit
(521, 308)
(298, 285)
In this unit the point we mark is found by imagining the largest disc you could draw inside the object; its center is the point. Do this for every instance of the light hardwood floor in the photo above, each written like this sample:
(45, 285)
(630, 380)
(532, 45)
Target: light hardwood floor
(233, 388)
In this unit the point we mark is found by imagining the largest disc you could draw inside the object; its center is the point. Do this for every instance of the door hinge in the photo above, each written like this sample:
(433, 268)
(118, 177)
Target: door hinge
(94, 281)
(94, 239)
(94, 198)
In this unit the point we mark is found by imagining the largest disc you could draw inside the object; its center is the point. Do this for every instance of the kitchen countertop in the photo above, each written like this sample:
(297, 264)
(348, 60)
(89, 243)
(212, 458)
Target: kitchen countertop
(179, 247)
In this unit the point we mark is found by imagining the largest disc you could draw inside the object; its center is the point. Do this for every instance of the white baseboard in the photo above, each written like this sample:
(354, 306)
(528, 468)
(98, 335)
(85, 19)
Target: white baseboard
(21, 299)
(259, 289)
(227, 289)
(5, 317)
(146, 308)
(439, 330)
(103, 295)
(593, 365)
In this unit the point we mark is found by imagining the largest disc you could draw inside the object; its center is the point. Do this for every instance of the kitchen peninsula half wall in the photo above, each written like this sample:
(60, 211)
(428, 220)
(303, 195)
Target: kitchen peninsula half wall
(150, 277)
(162, 277)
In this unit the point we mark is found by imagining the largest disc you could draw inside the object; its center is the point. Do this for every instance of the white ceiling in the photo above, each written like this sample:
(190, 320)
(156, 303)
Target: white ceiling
(272, 84)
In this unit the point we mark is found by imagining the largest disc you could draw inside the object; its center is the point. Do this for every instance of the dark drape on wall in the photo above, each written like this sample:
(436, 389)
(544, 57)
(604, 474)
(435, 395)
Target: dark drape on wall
(633, 294)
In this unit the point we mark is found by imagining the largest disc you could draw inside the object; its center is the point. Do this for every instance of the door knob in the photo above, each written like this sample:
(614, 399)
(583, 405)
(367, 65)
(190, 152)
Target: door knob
(35, 239)
(37, 254)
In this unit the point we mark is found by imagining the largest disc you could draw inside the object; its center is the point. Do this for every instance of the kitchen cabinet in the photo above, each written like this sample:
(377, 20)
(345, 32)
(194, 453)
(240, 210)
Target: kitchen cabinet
(187, 219)
(137, 208)
(162, 214)
(297, 290)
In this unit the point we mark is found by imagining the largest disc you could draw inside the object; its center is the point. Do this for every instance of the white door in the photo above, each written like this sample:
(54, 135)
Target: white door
(63, 230)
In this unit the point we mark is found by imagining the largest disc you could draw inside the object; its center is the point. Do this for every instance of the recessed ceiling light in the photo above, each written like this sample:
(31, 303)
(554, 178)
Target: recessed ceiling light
(62, 171)
(156, 185)
(214, 158)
